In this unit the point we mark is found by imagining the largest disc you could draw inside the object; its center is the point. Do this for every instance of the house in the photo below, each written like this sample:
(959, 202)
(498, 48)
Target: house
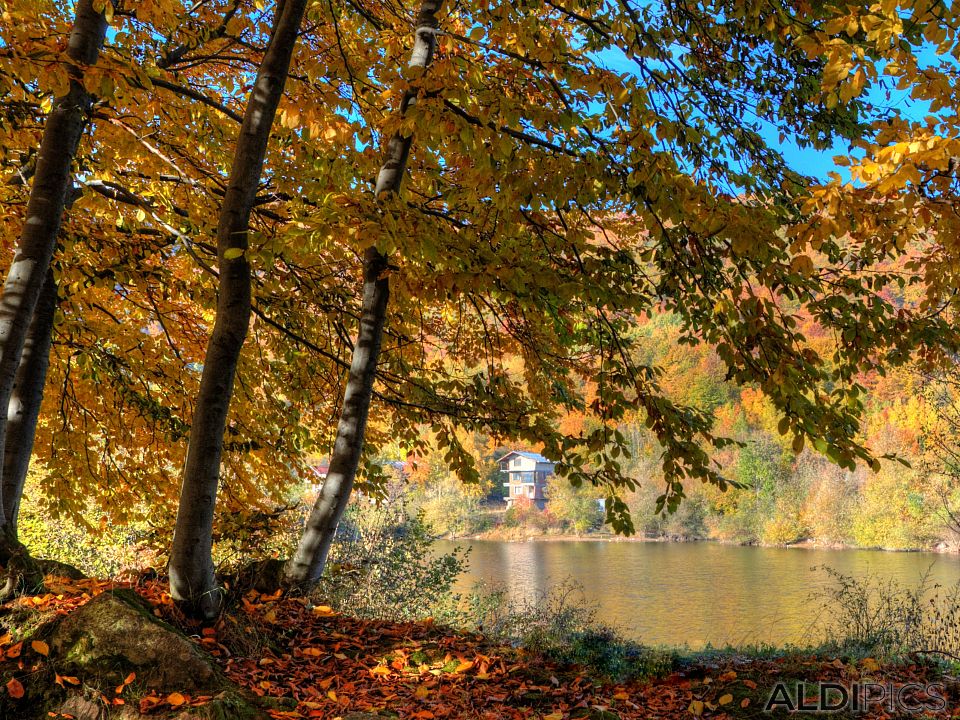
(527, 474)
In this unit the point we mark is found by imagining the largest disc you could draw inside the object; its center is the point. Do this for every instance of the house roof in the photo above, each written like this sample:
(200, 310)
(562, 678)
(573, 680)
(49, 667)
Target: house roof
(537, 457)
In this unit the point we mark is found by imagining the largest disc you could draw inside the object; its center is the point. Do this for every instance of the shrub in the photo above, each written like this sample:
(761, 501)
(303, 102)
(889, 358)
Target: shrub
(577, 508)
(383, 567)
(886, 619)
(562, 626)
(525, 513)
(92, 545)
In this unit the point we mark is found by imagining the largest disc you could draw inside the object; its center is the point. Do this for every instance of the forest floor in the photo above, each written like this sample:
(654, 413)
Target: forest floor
(287, 658)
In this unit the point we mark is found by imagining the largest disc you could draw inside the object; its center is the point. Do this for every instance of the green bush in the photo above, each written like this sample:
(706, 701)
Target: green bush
(383, 567)
(94, 546)
(576, 508)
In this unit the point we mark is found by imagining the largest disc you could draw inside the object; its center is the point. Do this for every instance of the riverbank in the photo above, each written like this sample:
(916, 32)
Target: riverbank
(282, 658)
(503, 533)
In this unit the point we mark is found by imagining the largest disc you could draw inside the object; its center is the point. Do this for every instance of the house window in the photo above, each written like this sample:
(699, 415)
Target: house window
(529, 492)
(516, 490)
(517, 462)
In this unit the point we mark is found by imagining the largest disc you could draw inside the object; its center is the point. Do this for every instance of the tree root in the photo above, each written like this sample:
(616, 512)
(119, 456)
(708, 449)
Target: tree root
(22, 575)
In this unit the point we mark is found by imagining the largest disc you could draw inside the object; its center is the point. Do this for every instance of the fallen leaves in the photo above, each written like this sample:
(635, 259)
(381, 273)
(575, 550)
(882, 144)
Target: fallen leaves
(40, 647)
(322, 665)
(15, 688)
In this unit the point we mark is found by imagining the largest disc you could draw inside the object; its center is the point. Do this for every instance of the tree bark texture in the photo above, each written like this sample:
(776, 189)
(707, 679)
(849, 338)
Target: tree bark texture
(52, 182)
(310, 557)
(192, 577)
(25, 401)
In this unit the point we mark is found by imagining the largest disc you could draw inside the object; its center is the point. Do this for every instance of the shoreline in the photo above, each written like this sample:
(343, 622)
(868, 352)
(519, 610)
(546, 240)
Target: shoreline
(941, 549)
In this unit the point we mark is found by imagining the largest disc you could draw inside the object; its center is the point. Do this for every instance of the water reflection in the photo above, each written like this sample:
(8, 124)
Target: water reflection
(694, 593)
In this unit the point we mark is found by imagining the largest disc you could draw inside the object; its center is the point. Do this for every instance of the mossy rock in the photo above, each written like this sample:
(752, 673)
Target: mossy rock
(116, 634)
(58, 569)
(101, 643)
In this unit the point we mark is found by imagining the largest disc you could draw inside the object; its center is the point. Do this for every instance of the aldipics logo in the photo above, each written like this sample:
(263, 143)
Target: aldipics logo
(857, 697)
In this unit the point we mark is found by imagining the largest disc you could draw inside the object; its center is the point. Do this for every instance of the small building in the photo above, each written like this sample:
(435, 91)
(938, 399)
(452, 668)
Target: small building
(527, 474)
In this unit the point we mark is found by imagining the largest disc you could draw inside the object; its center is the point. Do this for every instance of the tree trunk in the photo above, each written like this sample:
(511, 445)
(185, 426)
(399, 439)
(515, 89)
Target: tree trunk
(307, 563)
(48, 195)
(192, 578)
(25, 402)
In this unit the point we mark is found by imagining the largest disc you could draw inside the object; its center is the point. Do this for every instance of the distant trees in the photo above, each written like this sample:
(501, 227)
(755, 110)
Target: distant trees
(578, 508)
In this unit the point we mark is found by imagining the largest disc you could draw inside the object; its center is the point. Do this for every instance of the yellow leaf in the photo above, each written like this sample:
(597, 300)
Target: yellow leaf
(696, 707)
(725, 699)
(41, 647)
(554, 716)
(380, 670)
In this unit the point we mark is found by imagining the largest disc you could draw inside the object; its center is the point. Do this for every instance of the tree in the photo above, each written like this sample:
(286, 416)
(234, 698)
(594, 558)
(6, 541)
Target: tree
(576, 167)
(192, 576)
(308, 561)
(30, 269)
(25, 402)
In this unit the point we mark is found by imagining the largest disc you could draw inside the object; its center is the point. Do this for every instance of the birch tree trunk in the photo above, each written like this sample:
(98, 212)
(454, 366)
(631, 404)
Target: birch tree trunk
(192, 578)
(21, 290)
(24, 408)
(307, 563)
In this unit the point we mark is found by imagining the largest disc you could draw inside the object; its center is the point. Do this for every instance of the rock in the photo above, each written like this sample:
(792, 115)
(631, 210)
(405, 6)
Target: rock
(80, 708)
(116, 634)
(60, 569)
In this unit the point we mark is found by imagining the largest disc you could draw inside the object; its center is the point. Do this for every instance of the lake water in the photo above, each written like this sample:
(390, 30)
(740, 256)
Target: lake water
(693, 593)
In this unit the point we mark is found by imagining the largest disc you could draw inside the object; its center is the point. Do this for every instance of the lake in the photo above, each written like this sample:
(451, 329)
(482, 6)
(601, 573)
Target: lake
(693, 593)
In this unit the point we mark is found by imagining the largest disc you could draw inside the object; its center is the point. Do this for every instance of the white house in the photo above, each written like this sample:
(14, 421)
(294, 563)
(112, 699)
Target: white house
(527, 474)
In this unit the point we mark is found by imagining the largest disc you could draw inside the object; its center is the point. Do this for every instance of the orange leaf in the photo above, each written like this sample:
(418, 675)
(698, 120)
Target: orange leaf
(176, 699)
(15, 689)
(14, 650)
(41, 647)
